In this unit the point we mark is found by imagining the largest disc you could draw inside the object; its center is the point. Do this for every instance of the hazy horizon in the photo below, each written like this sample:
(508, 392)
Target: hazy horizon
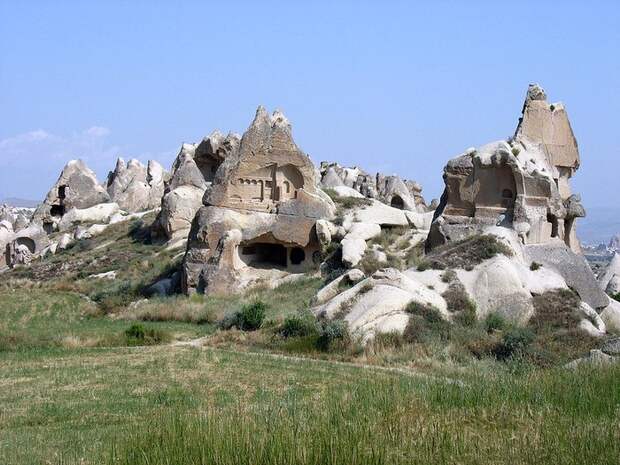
(392, 88)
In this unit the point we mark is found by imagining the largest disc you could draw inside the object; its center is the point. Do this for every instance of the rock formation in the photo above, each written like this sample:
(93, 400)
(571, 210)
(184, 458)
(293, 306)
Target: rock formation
(391, 190)
(135, 187)
(77, 187)
(610, 280)
(192, 172)
(515, 192)
(259, 214)
(20, 247)
(522, 184)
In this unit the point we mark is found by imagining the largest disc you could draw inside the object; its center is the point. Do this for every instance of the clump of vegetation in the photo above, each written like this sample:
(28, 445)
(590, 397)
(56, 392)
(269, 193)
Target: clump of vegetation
(333, 335)
(466, 253)
(388, 340)
(249, 318)
(413, 255)
(555, 326)
(515, 342)
(535, 266)
(494, 322)
(391, 237)
(138, 335)
(515, 151)
(349, 203)
(448, 276)
(301, 324)
(425, 324)
(458, 302)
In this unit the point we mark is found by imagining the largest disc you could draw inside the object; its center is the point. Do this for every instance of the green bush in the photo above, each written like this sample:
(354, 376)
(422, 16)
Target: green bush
(138, 335)
(535, 266)
(333, 334)
(515, 343)
(299, 325)
(494, 322)
(425, 324)
(251, 316)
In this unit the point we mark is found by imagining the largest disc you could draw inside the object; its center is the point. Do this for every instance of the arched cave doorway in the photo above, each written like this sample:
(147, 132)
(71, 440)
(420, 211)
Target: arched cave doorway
(397, 202)
(27, 242)
(264, 255)
(297, 255)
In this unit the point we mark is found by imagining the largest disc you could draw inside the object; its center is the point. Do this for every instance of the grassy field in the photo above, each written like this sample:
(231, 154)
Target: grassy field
(92, 373)
(186, 405)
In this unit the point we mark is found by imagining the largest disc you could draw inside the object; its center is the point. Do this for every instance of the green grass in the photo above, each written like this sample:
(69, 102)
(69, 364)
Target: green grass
(43, 318)
(161, 405)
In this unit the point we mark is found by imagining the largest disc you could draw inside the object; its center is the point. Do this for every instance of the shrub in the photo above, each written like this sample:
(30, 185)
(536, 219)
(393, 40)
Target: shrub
(333, 334)
(616, 296)
(425, 323)
(390, 340)
(448, 276)
(515, 342)
(494, 322)
(369, 262)
(535, 266)
(298, 325)
(458, 302)
(467, 253)
(424, 265)
(137, 335)
(467, 316)
(348, 203)
(251, 316)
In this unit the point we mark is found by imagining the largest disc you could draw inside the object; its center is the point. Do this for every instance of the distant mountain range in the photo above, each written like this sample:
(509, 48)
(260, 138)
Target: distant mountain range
(599, 225)
(20, 203)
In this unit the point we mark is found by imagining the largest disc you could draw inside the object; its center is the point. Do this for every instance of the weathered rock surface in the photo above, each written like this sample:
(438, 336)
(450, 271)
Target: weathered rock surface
(378, 304)
(390, 190)
(259, 213)
(334, 288)
(594, 358)
(76, 188)
(609, 281)
(611, 316)
(522, 184)
(135, 187)
(573, 268)
(193, 172)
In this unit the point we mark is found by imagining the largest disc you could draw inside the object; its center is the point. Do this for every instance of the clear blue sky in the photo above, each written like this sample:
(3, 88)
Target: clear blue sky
(390, 86)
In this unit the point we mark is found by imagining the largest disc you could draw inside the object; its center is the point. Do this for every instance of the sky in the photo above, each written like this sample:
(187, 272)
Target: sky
(396, 87)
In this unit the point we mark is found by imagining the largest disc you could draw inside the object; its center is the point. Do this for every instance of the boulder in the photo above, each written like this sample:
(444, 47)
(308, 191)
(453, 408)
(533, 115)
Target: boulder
(334, 288)
(100, 213)
(573, 268)
(609, 281)
(378, 304)
(164, 287)
(381, 214)
(352, 250)
(594, 358)
(497, 286)
(178, 209)
(611, 316)
(611, 347)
